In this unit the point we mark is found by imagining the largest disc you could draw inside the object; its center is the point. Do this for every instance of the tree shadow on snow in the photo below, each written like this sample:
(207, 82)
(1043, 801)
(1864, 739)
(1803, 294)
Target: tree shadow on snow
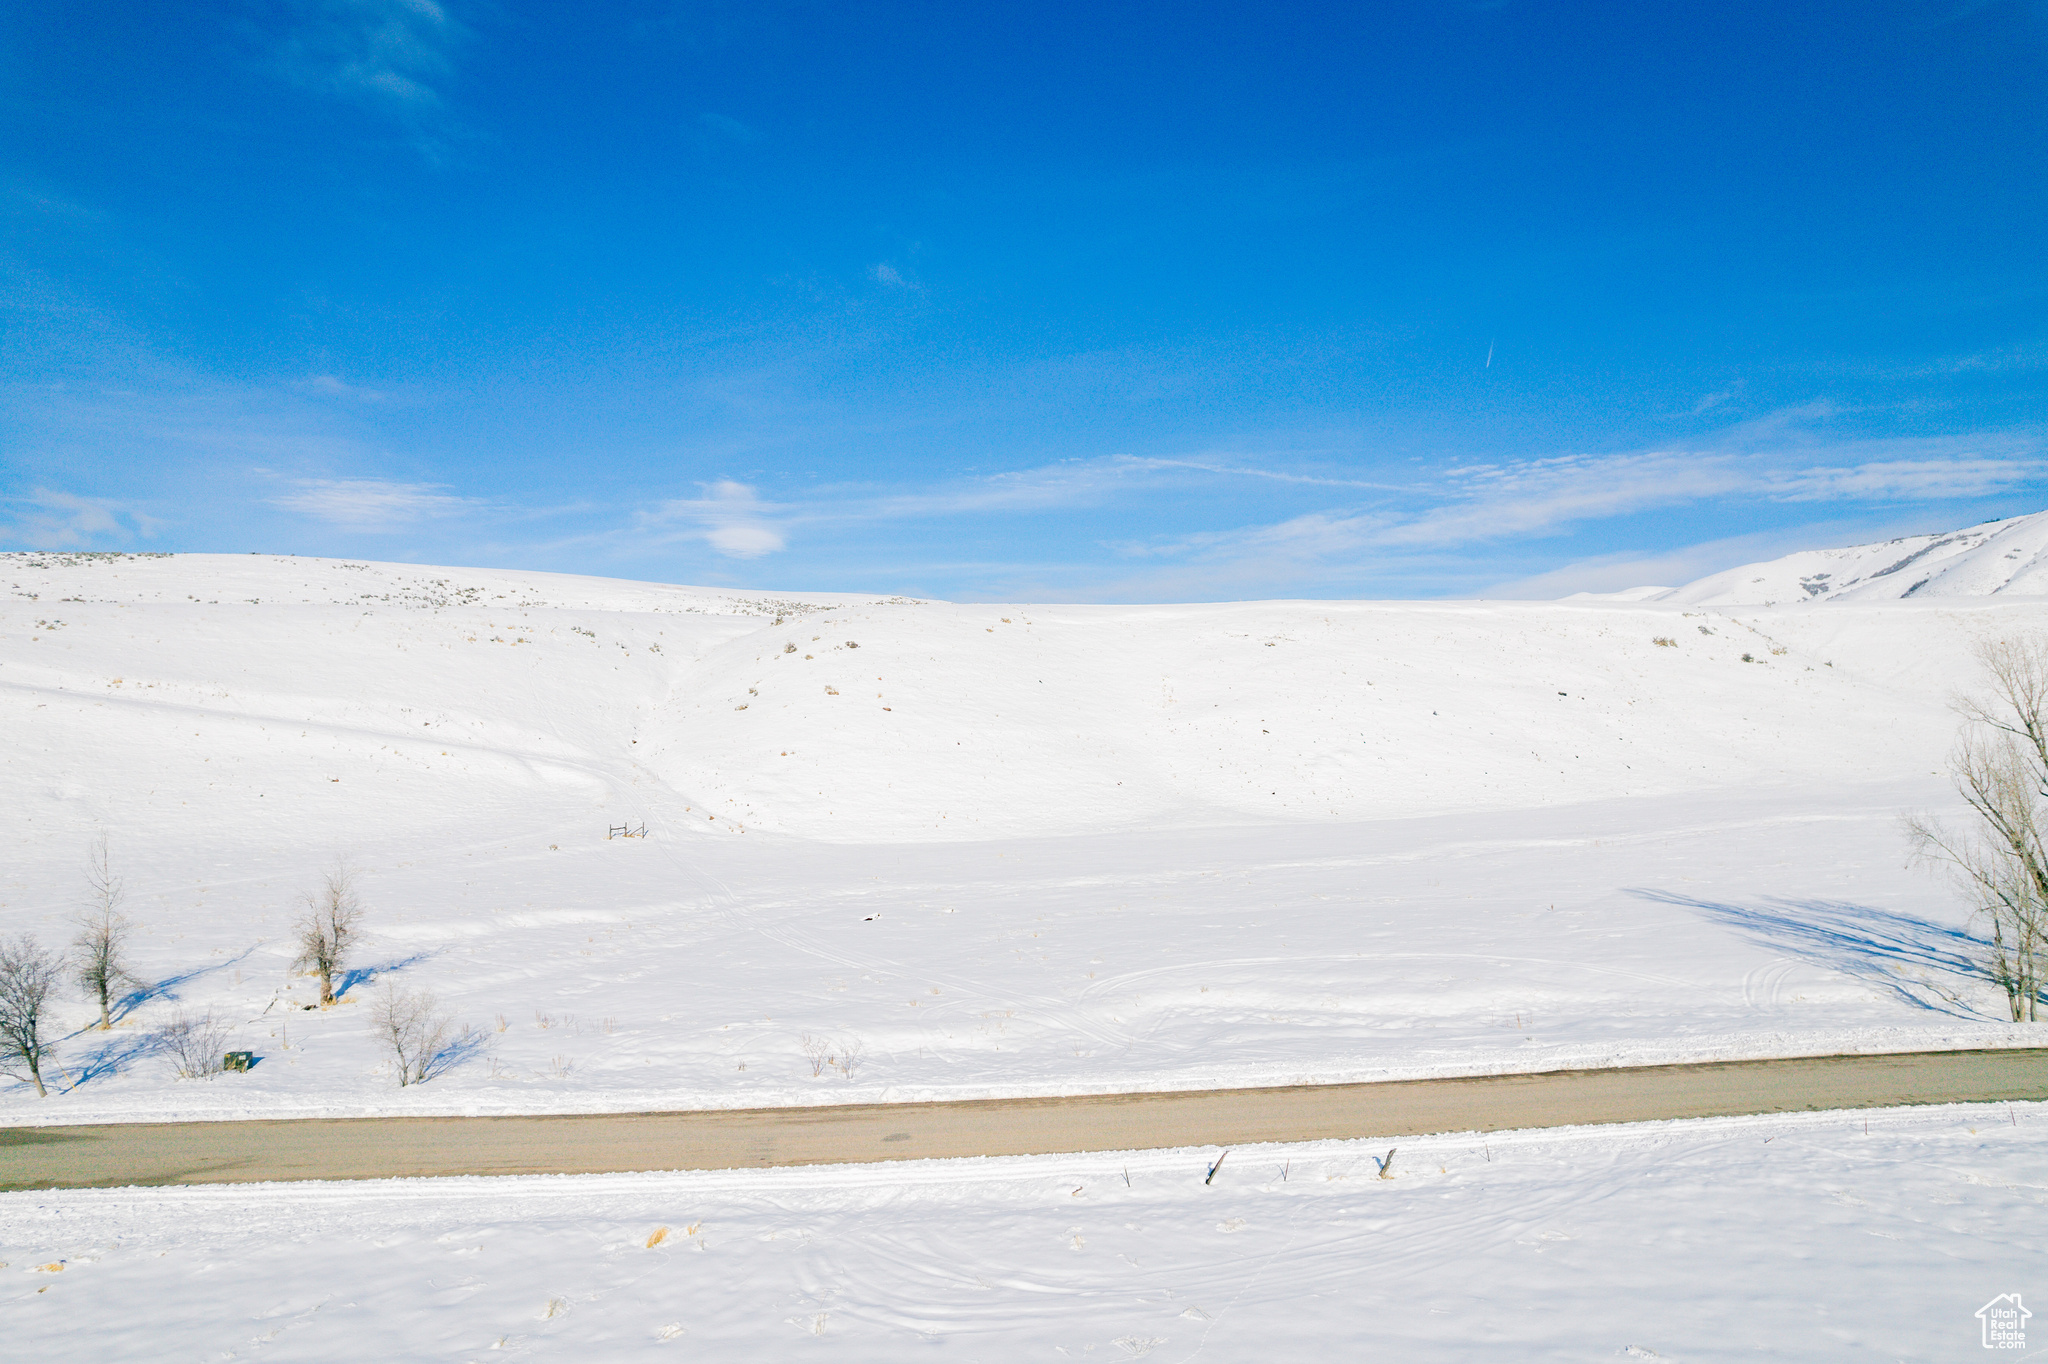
(167, 988)
(466, 1047)
(112, 1056)
(363, 975)
(1895, 952)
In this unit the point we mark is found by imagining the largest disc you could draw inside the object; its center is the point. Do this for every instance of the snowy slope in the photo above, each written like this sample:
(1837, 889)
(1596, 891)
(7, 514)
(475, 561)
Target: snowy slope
(1794, 1238)
(274, 579)
(1013, 849)
(1998, 558)
(866, 721)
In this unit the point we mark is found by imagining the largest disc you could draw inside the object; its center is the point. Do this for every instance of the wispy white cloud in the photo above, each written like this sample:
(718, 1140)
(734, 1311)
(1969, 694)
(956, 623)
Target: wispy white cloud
(49, 519)
(1908, 480)
(1708, 402)
(885, 273)
(367, 504)
(1066, 485)
(1432, 522)
(728, 517)
(1225, 469)
(1479, 503)
(393, 52)
(329, 386)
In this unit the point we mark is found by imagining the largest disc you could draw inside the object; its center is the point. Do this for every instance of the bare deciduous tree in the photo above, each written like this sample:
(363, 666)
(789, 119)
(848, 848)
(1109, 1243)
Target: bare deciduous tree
(2000, 768)
(28, 974)
(197, 1046)
(97, 951)
(408, 1024)
(328, 925)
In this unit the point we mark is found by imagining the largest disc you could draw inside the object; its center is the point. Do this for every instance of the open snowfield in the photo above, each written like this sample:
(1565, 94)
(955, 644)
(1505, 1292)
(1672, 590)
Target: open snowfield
(1004, 849)
(1793, 1238)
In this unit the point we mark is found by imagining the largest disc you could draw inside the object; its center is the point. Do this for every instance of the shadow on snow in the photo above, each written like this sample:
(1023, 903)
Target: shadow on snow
(363, 975)
(167, 988)
(112, 1057)
(466, 1047)
(1883, 948)
(114, 1054)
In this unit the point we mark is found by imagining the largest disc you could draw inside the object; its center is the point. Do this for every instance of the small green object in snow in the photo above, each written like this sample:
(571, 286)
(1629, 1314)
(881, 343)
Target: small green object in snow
(239, 1060)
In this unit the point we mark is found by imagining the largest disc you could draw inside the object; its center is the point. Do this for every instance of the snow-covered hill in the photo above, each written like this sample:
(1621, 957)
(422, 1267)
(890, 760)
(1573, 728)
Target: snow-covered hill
(283, 580)
(1998, 558)
(433, 692)
(1012, 848)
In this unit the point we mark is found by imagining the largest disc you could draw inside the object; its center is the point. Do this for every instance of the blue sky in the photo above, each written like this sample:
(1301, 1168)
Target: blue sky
(1100, 302)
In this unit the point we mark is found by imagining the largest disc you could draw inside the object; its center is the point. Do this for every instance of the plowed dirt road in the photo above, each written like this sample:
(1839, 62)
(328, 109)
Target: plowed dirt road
(380, 1148)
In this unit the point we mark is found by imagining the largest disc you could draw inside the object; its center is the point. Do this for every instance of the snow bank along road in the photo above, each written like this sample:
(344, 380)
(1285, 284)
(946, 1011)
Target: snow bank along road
(1795, 1238)
(376, 1148)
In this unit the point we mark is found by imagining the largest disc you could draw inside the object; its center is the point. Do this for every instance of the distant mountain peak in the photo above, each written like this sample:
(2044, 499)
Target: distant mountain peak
(1997, 558)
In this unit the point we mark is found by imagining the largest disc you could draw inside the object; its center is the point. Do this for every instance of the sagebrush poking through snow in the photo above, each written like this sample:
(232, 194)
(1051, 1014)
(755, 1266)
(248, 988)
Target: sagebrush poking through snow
(195, 1043)
(852, 1055)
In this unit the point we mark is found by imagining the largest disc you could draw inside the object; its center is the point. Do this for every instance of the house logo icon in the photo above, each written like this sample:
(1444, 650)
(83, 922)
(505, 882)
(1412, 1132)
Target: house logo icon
(2005, 1322)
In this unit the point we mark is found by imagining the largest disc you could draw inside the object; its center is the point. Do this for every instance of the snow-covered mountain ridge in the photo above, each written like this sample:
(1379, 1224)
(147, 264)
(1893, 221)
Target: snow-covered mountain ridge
(1998, 558)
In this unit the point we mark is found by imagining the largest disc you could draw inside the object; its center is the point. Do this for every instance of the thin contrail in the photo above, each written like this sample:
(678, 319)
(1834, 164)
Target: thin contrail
(1489, 355)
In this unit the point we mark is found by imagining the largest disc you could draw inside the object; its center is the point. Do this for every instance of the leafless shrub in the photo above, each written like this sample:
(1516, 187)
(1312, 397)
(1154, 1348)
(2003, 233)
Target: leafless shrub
(329, 923)
(2000, 769)
(196, 1045)
(28, 974)
(560, 1067)
(852, 1053)
(408, 1024)
(97, 951)
(818, 1051)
